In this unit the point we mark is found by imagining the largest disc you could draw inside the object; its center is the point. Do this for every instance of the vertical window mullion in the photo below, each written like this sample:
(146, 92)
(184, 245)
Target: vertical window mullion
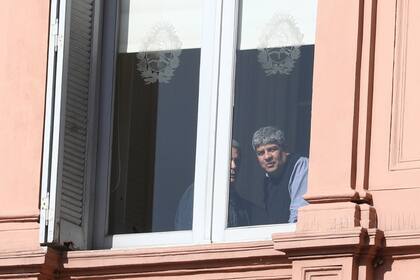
(224, 117)
(206, 125)
(110, 12)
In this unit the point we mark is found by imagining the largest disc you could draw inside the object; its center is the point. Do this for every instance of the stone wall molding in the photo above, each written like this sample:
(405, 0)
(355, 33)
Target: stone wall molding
(347, 254)
(19, 218)
(252, 260)
(36, 264)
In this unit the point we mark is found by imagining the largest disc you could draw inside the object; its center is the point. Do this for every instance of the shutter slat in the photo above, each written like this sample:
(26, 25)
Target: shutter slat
(83, 7)
(78, 101)
(71, 187)
(77, 76)
(79, 37)
(75, 166)
(80, 48)
(73, 172)
(83, 70)
(75, 63)
(80, 24)
(72, 181)
(74, 203)
(78, 181)
(81, 14)
(78, 86)
(71, 158)
(71, 217)
(78, 150)
(78, 98)
(71, 210)
(76, 139)
(73, 195)
(77, 113)
(74, 154)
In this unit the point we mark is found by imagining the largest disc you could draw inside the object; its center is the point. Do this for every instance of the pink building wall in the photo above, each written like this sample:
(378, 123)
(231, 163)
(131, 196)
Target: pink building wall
(23, 50)
(363, 221)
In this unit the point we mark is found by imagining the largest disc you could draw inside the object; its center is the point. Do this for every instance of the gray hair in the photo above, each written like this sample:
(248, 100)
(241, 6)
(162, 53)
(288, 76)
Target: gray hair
(268, 135)
(235, 144)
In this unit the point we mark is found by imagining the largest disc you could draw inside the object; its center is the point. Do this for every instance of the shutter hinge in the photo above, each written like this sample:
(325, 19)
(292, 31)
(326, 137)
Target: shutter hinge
(55, 34)
(45, 206)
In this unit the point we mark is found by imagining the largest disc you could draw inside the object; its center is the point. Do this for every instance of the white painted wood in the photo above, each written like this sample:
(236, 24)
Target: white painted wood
(254, 233)
(155, 239)
(55, 192)
(224, 117)
(48, 121)
(206, 124)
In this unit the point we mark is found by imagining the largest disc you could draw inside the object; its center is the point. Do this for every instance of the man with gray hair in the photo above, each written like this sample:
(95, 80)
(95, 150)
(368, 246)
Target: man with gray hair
(286, 175)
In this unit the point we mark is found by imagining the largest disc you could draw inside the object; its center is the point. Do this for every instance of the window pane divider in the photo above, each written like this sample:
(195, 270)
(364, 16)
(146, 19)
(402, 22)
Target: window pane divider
(206, 124)
(224, 117)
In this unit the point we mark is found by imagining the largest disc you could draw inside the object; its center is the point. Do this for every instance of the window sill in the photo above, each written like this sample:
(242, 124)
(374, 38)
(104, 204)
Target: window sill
(258, 260)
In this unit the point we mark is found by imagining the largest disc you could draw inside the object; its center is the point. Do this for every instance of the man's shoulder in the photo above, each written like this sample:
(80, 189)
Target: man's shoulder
(297, 158)
(303, 161)
(298, 163)
(298, 177)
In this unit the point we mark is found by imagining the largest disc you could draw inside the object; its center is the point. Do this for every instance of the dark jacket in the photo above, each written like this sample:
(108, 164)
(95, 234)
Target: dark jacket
(239, 214)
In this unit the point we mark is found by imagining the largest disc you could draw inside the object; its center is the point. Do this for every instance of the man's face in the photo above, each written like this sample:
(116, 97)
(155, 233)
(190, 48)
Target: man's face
(271, 158)
(234, 164)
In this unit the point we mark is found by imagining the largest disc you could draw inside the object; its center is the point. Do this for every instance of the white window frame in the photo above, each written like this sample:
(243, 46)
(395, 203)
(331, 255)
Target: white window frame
(220, 232)
(205, 146)
(214, 131)
(214, 127)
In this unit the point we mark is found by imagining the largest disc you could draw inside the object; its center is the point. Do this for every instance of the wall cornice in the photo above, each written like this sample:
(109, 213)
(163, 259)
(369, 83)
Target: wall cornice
(40, 264)
(19, 218)
(255, 260)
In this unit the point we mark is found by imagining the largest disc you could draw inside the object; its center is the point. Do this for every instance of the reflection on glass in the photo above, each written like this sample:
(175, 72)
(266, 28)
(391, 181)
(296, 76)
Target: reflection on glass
(159, 57)
(272, 110)
(279, 47)
(155, 114)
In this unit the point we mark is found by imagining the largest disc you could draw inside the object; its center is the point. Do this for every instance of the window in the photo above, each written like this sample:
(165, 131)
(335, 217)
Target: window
(267, 59)
(155, 114)
(148, 142)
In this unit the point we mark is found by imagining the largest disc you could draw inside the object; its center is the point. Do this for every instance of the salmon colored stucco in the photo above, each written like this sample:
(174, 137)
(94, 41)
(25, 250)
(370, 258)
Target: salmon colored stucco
(23, 56)
(363, 221)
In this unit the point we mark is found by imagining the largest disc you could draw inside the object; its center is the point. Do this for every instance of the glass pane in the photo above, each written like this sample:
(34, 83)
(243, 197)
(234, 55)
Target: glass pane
(155, 116)
(272, 111)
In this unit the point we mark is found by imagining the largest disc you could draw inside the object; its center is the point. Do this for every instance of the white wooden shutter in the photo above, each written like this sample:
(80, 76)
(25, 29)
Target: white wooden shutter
(69, 126)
